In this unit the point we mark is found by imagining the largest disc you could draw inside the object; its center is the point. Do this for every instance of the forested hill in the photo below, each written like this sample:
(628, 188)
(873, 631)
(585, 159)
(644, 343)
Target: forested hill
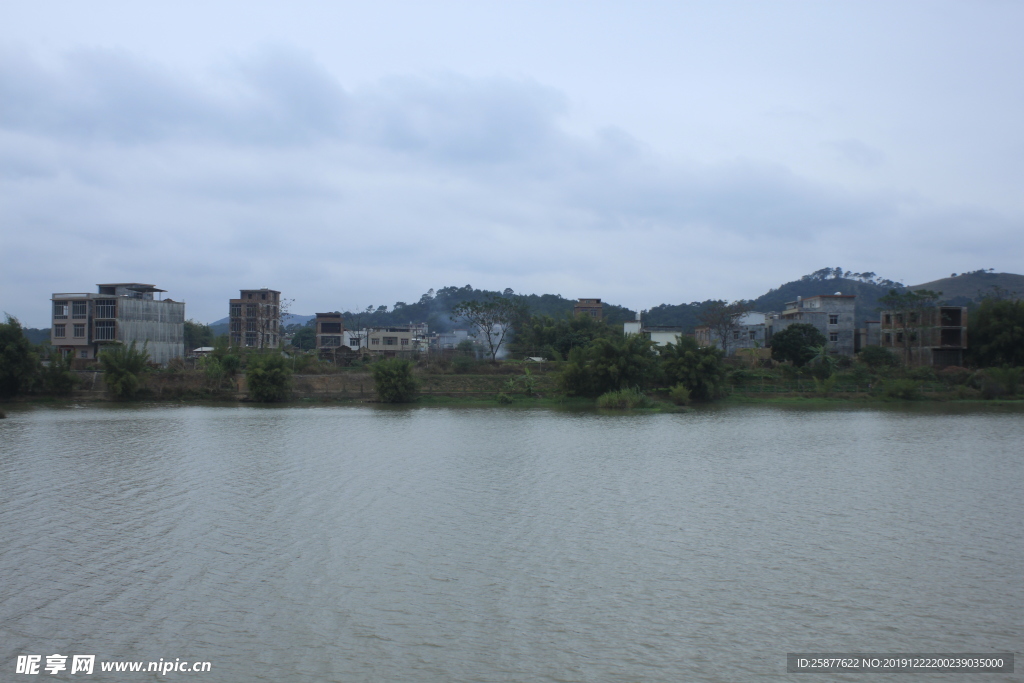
(959, 290)
(867, 287)
(434, 308)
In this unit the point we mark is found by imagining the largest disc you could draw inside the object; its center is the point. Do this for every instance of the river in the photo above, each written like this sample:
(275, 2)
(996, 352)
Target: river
(488, 544)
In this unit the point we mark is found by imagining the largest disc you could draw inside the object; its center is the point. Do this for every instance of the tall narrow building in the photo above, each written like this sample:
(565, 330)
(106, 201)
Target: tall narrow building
(255, 319)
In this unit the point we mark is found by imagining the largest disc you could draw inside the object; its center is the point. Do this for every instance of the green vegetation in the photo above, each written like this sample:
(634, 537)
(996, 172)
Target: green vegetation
(680, 395)
(542, 336)
(698, 369)
(123, 367)
(624, 399)
(197, 335)
(878, 357)
(996, 335)
(394, 380)
(58, 377)
(609, 365)
(796, 344)
(268, 377)
(19, 362)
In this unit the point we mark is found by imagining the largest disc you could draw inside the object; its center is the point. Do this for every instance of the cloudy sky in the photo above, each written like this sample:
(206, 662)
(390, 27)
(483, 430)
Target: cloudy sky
(351, 154)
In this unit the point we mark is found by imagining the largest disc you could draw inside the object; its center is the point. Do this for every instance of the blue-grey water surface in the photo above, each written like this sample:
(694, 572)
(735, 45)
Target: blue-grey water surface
(374, 544)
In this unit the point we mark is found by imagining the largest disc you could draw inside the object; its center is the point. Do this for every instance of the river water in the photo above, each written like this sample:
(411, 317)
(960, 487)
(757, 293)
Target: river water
(433, 544)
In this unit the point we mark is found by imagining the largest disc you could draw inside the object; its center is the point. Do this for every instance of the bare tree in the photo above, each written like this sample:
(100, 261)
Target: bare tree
(493, 317)
(721, 318)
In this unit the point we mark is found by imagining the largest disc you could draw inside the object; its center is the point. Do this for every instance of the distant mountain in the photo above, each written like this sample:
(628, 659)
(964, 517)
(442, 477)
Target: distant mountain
(962, 289)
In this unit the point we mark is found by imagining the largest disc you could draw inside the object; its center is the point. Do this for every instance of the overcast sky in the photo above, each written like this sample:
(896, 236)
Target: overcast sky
(351, 154)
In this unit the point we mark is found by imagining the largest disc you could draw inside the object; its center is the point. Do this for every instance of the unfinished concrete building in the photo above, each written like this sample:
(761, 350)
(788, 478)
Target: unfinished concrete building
(935, 336)
(83, 323)
(255, 319)
(832, 314)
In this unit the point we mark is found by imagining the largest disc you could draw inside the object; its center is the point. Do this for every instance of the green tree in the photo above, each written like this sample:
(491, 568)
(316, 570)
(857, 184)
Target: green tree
(393, 380)
(197, 335)
(304, 337)
(58, 377)
(796, 343)
(19, 363)
(699, 369)
(123, 367)
(553, 338)
(493, 318)
(269, 377)
(996, 336)
(609, 365)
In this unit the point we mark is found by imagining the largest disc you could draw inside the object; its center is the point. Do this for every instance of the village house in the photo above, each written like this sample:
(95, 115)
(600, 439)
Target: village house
(936, 336)
(255, 319)
(126, 312)
(832, 314)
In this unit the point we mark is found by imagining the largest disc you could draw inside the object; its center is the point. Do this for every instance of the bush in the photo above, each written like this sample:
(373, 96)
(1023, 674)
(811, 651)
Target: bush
(504, 398)
(902, 390)
(922, 374)
(795, 343)
(19, 364)
(825, 386)
(680, 395)
(698, 368)
(998, 382)
(877, 357)
(609, 365)
(954, 375)
(231, 364)
(394, 381)
(463, 364)
(58, 378)
(123, 367)
(269, 378)
(624, 399)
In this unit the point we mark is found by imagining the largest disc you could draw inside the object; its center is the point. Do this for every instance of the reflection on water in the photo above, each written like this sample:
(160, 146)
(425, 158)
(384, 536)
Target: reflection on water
(368, 544)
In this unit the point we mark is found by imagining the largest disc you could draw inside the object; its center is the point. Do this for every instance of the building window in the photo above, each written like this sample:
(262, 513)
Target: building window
(60, 331)
(833, 319)
(390, 341)
(899, 337)
(405, 342)
(106, 308)
(833, 336)
(899, 317)
(236, 326)
(250, 310)
(888, 338)
(753, 334)
(79, 330)
(264, 296)
(84, 353)
(330, 328)
(353, 343)
(250, 339)
(250, 326)
(236, 339)
(735, 334)
(330, 341)
(887, 319)
(375, 341)
(60, 310)
(79, 309)
(235, 310)
(105, 330)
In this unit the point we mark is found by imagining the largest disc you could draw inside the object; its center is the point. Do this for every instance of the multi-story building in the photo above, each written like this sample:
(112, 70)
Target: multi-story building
(592, 307)
(935, 336)
(659, 334)
(397, 340)
(255, 319)
(126, 312)
(330, 331)
(832, 314)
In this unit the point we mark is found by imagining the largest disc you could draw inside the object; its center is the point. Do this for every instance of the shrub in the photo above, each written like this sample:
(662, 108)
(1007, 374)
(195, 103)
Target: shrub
(680, 395)
(607, 365)
(19, 364)
(504, 398)
(269, 378)
(954, 375)
(394, 381)
(231, 364)
(877, 357)
(922, 374)
(795, 343)
(997, 382)
(902, 389)
(463, 364)
(698, 368)
(123, 367)
(624, 399)
(58, 378)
